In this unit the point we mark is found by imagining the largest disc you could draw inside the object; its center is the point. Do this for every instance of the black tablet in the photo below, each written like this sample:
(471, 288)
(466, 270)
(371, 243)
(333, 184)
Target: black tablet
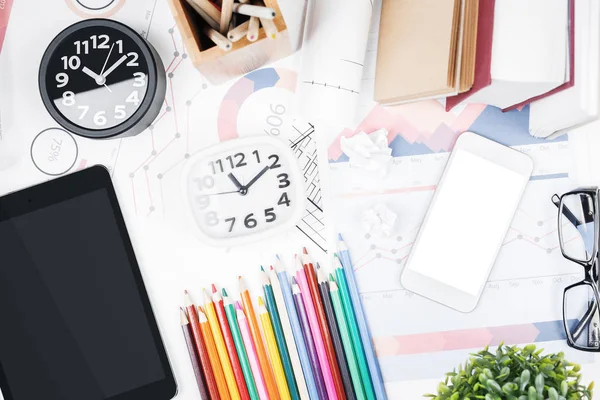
(75, 319)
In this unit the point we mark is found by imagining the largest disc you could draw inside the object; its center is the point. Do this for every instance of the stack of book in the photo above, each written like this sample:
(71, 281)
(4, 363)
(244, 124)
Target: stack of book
(426, 49)
(508, 53)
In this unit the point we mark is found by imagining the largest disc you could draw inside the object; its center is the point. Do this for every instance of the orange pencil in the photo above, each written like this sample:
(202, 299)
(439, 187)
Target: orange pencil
(211, 348)
(260, 346)
(211, 383)
(230, 344)
(313, 286)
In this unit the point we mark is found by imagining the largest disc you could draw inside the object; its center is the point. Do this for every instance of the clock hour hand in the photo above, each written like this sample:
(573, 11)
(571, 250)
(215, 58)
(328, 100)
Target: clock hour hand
(98, 78)
(114, 66)
(235, 181)
(257, 177)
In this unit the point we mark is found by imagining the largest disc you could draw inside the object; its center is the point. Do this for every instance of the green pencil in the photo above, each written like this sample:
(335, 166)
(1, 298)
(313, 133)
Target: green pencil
(239, 346)
(353, 326)
(346, 339)
(279, 336)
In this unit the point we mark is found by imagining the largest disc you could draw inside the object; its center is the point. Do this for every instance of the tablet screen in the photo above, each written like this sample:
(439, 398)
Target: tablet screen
(72, 316)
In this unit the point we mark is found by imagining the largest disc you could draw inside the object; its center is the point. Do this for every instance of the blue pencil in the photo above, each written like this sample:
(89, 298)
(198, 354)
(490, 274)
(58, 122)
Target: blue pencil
(279, 336)
(286, 289)
(310, 344)
(361, 319)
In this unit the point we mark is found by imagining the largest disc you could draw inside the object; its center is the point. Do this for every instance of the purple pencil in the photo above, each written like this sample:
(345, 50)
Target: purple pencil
(310, 345)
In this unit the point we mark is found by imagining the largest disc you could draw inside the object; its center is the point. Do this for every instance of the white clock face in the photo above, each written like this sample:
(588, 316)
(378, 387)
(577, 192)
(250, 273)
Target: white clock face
(244, 187)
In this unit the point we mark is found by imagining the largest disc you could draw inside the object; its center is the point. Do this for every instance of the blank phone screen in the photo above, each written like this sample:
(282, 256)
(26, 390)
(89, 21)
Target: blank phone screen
(467, 222)
(73, 323)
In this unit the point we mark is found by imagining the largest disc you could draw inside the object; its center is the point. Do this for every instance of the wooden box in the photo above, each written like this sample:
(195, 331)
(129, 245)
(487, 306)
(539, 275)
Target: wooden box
(245, 56)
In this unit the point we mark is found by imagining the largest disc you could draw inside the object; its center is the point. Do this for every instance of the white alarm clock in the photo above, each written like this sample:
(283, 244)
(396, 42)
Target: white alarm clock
(243, 190)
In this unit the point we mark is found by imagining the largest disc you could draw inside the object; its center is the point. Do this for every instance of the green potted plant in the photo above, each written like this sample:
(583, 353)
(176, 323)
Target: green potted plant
(513, 373)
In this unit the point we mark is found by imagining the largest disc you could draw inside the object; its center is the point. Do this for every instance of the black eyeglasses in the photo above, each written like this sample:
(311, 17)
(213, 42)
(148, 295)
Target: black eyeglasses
(579, 235)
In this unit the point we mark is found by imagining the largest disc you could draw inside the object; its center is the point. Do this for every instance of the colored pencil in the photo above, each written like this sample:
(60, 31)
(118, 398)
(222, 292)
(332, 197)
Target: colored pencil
(365, 334)
(230, 344)
(254, 11)
(209, 377)
(310, 344)
(256, 336)
(239, 346)
(194, 358)
(238, 32)
(211, 315)
(213, 355)
(289, 340)
(207, 14)
(297, 340)
(316, 331)
(251, 350)
(269, 27)
(273, 350)
(211, 9)
(286, 361)
(335, 334)
(354, 330)
(226, 13)
(253, 25)
(313, 286)
(215, 36)
(346, 339)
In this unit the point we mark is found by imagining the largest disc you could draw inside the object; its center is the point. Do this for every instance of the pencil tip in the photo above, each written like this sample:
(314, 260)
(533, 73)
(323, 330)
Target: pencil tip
(261, 302)
(185, 291)
(238, 305)
(224, 292)
(294, 281)
(304, 250)
(340, 238)
(271, 268)
(262, 269)
(214, 288)
(277, 255)
(331, 278)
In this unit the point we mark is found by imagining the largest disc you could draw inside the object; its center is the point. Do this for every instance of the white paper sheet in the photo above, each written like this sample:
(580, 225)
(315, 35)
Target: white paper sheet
(333, 53)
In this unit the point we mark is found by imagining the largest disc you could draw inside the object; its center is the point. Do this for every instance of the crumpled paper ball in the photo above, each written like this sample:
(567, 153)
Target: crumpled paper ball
(379, 220)
(368, 151)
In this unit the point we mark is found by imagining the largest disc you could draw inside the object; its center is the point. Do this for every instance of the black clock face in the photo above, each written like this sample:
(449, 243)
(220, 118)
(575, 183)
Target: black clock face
(97, 77)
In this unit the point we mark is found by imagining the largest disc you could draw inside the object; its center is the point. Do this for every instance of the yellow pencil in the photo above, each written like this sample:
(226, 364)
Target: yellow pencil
(269, 27)
(213, 355)
(265, 320)
(211, 315)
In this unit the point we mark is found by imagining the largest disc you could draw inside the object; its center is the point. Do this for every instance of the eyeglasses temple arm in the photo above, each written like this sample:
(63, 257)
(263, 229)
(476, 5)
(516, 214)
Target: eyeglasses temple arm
(565, 210)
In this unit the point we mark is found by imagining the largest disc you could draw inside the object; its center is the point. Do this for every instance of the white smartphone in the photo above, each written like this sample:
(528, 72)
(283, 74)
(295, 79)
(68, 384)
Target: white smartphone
(466, 222)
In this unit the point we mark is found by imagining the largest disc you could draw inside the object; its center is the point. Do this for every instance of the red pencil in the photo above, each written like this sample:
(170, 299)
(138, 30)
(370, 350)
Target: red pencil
(211, 383)
(230, 344)
(313, 286)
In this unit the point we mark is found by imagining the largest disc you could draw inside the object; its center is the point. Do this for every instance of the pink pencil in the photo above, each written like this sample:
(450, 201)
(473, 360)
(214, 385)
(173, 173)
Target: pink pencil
(316, 330)
(251, 350)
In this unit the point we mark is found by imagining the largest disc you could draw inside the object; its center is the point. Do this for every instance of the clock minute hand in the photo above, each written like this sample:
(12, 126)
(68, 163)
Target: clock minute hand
(257, 177)
(114, 66)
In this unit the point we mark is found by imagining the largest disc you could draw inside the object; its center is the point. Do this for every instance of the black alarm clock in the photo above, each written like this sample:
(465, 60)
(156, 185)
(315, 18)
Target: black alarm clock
(100, 79)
